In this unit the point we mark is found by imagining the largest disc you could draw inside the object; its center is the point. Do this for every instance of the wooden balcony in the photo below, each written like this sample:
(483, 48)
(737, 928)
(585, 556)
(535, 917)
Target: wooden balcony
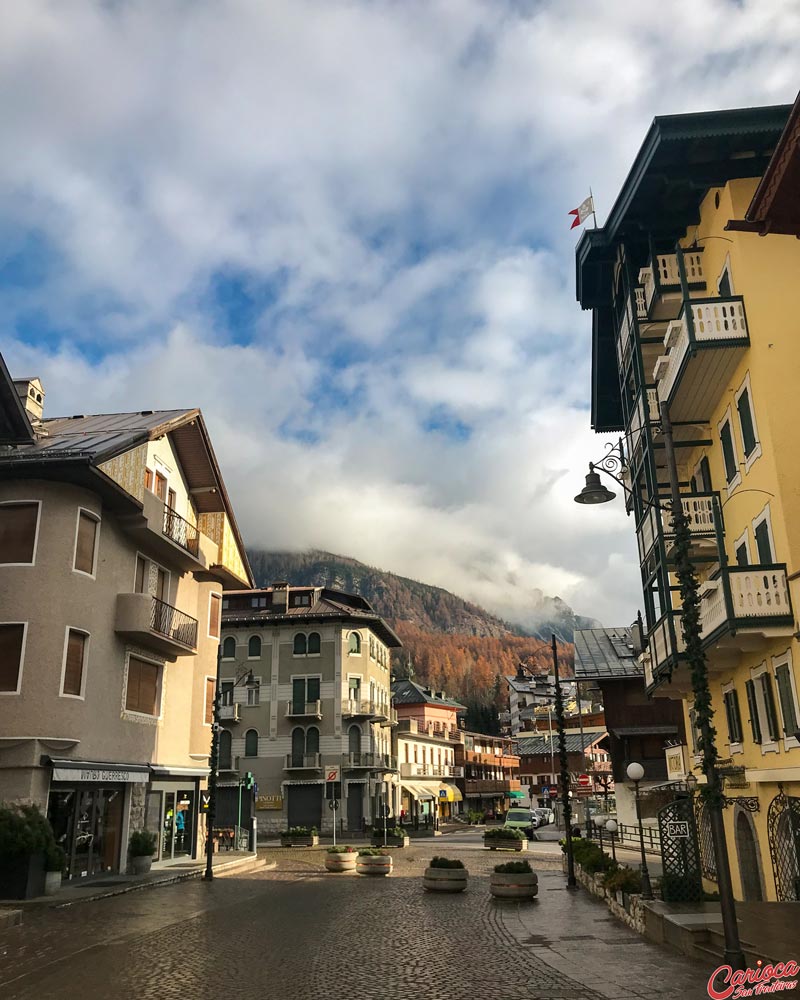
(145, 619)
(661, 287)
(489, 786)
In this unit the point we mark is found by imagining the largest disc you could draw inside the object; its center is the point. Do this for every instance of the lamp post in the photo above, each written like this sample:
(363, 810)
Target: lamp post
(635, 773)
(611, 830)
(213, 775)
(566, 794)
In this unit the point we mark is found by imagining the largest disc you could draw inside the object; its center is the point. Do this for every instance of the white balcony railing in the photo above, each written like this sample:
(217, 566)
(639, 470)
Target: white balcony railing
(699, 508)
(304, 709)
(652, 406)
(229, 713)
(648, 282)
(417, 770)
(303, 761)
(641, 303)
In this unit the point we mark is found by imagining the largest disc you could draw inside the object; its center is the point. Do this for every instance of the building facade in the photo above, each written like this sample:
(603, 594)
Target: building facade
(690, 310)
(490, 779)
(588, 763)
(116, 541)
(321, 662)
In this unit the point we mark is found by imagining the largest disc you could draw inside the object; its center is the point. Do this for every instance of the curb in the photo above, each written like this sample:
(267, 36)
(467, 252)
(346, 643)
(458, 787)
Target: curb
(10, 918)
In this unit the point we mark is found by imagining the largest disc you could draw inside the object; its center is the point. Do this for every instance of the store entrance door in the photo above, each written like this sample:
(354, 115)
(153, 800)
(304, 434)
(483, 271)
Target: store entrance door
(87, 822)
(172, 812)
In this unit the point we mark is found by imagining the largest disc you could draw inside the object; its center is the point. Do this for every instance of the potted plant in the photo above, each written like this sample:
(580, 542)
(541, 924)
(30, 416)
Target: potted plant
(514, 880)
(300, 836)
(445, 875)
(623, 883)
(372, 861)
(25, 837)
(340, 859)
(142, 847)
(395, 837)
(504, 839)
(54, 868)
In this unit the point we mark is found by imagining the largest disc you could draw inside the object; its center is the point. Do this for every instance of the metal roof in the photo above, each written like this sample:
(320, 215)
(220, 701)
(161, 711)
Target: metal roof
(605, 654)
(532, 746)
(410, 693)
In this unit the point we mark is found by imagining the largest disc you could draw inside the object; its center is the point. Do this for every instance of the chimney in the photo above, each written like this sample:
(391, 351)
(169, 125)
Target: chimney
(280, 597)
(31, 393)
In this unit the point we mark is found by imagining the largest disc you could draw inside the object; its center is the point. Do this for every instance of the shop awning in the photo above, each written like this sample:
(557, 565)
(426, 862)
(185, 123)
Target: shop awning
(421, 792)
(96, 771)
(515, 795)
(450, 793)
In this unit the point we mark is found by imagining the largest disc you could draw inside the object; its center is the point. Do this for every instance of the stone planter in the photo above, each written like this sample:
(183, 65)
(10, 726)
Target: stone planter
(341, 862)
(312, 840)
(445, 879)
(369, 864)
(52, 883)
(141, 865)
(497, 844)
(514, 885)
(22, 877)
(391, 842)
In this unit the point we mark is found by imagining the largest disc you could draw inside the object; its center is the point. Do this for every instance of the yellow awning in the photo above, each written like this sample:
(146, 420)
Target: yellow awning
(450, 793)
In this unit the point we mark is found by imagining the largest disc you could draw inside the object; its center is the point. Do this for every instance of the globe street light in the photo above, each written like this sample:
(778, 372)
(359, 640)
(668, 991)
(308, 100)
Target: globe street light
(611, 830)
(635, 773)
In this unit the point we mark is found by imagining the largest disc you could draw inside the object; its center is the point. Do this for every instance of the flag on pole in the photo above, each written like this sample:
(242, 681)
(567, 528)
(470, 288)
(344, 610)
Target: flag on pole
(582, 212)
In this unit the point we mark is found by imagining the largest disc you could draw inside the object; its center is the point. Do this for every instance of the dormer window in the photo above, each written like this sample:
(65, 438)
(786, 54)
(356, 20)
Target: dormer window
(301, 600)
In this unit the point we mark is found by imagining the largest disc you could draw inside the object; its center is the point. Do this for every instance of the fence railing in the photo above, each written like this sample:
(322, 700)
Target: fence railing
(627, 836)
(181, 531)
(170, 622)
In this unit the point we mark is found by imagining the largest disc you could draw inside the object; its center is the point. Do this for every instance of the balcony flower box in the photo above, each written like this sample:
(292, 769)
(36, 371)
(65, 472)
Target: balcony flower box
(514, 880)
(502, 839)
(371, 861)
(340, 859)
(300, 836)
(445, 875)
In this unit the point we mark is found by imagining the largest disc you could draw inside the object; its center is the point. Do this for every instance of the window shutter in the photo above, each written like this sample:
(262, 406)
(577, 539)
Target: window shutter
(737, 716)
(214, 610)
(17, 532)
(84, 548)
(746, 422)
(765, 556)
(786, 699)
(752, 706)
(769, 702)
(211, 685)
(741, 555)
(142, 692)
(728, 453)
(10, 655)
(73, 668)
(705, 475)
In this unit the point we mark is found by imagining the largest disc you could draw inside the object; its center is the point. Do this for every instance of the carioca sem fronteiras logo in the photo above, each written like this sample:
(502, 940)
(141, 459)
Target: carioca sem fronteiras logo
(762, 980)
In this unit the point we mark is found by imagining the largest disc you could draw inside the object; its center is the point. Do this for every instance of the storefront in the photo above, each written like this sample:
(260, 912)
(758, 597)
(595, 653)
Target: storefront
(449, 795)
(87, 807)
(171, 812)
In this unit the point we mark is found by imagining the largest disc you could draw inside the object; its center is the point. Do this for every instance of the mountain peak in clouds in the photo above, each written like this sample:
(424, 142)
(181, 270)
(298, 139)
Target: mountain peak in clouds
(402, 600)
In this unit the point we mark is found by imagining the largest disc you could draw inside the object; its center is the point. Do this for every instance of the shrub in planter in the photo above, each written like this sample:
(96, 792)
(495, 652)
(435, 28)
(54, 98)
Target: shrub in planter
(395, 836)
(624, 879)
(514, 880)
(340, 859)
(474, 816)
(25, 839)
(445, 875)
(504, 838)
(142, 847)
(300, 836)
(372, 861)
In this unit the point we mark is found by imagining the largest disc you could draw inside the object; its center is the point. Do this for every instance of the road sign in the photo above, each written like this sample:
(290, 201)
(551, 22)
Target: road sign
(553, 792)
(332, 772)
(584, 780)
(333, 804)
(678, 828)
(205, 799)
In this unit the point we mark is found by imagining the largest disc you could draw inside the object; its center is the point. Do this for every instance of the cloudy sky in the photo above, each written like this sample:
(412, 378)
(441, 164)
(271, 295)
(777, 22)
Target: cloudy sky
(341, 229)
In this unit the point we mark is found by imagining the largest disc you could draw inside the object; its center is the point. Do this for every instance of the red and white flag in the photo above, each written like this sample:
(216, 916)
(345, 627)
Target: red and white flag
(582, 212)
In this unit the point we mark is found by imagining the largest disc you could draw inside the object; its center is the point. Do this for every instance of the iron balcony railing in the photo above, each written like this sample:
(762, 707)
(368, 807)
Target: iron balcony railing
(181, 531)
(172, 623)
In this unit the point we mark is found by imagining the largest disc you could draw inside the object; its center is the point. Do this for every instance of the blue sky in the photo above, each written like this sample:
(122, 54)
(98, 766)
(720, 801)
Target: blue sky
(341, 229)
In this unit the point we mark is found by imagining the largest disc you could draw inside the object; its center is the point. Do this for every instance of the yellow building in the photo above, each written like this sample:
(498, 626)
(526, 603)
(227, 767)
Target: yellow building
(700, 314)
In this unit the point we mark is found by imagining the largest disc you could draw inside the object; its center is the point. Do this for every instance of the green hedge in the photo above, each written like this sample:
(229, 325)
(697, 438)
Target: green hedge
(504, 833)
(514, 868)
(446, 863)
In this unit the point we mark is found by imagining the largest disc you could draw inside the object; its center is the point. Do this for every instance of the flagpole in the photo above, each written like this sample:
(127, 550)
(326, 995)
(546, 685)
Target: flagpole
(594, 214)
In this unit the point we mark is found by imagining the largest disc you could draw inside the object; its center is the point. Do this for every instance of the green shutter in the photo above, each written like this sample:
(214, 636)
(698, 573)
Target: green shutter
(746, 422)
(752, 706)
(741, 555)
(737, 716)
(731, 468)
(787, 700)
(769, 702)
(727, 701)
(765, 556)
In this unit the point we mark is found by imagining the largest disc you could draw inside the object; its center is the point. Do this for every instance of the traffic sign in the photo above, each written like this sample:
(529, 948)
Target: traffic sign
(584, 780)
(332, 772)
(205, 801)
(333, 804)
(553, 792)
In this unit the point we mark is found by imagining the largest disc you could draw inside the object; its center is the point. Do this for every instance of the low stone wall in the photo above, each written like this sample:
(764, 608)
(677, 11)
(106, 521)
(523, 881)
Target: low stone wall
(626, 907)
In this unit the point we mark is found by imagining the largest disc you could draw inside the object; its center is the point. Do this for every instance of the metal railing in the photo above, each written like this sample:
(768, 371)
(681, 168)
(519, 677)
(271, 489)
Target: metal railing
(181, 531)
(627, 836)
(376, 760)
(411, 770)
(303, 760)
(172, 623)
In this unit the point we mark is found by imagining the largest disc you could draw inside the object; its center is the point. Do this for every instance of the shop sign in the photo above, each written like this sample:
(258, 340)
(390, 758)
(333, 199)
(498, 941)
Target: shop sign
(102, 775)
(269, 802)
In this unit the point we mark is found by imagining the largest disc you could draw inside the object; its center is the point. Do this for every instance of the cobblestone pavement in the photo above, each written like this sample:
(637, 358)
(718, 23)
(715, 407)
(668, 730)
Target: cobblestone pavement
(298, 933)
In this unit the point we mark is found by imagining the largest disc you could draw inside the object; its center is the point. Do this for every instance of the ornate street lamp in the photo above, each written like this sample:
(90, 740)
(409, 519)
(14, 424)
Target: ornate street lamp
(611, 830)
(635, 773)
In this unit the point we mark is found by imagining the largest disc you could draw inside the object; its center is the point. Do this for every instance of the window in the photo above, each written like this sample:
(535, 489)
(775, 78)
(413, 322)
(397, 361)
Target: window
(786, 698)
(408, 754)
(724, 286)
(734, 719)
(747, 423)
(752, 707)
(86, 543)
(141, 583)
(229, 648)
(19, 527)
(254, 647)
(762, 530)
(258, 602)
(251, 743)
(301, 600)
(12, 651)
(299, 646)
(254, 693)
(225, 750)
(161, 487)
(354, 645)
(142, 694)
(729, 452)
(171, 499)
(313, 643)
(741, 549)
(214, 615)
(226, 693)
(148, 479)
(312, 741)
(354, 739)
(211, 690)
(769, 706)
(75, 649)
(704, 476)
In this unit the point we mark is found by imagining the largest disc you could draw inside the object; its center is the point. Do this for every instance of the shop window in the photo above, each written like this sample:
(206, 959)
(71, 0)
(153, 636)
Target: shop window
(86, 543)
(254, 647)
(76, 647)
(314, 644)
(251, 743)
(12, 649)
(142, 693)
(19, 524)
(214, 615)
(229, 648)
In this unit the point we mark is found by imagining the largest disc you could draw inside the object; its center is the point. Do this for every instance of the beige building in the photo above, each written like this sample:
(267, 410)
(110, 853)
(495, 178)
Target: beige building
(116, 541)
(321, 660)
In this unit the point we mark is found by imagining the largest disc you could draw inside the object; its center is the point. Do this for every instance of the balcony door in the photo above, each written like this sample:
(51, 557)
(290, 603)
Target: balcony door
(305, 691)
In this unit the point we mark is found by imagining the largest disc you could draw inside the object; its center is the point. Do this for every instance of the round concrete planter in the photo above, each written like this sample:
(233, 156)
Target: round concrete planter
(52, 883)
(445, 879)
(514, 886)
(341, 862)
(369, 864)
(501, 844)
(141, 865)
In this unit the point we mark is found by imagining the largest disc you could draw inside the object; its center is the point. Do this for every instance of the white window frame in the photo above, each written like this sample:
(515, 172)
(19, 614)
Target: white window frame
(255, 635)
(223, 657)
(756, 452)
(767, 745)
(98, 521)
(727, 689)
(15, 503)
(737, 479)
(85, 666)
(214, 594)
(128, 713)
(785, 659)
(21, 653)
(743, 539)
(726, 267)
(757, 521)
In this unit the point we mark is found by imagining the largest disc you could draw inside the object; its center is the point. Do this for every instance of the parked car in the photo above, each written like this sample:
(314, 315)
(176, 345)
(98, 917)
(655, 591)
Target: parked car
(546, 816)
(522, 819)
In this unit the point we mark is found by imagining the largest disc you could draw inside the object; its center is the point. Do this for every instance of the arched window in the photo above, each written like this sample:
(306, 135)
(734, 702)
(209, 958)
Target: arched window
(229, 648)
(251, 743)
(225, 757)
(355, 642)
(298, 746)
(254, 646)
(312, 740)
(299, 648)
(354, 739)
(313, 642)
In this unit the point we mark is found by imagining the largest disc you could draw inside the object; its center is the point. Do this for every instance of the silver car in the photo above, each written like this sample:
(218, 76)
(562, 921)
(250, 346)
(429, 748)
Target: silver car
(546, 816)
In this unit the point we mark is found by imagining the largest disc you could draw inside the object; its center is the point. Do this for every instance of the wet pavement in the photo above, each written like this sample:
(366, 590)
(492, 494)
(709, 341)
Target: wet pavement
(298, 933)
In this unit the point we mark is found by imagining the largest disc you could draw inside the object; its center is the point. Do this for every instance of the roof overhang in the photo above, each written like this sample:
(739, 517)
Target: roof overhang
(15, 427)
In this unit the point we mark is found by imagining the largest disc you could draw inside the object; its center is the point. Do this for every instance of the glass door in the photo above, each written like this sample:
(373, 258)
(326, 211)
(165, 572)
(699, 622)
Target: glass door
(168, 826)
(84, 833)
(184, 821)
(299, 696)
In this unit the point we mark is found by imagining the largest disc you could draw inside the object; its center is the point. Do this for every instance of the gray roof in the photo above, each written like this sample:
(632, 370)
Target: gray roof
(530, 685)
(605, 654)
(530, 746)
(409, 693)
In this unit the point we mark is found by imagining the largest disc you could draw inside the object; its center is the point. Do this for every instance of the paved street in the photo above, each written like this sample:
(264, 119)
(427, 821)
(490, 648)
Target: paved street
(298, 933)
